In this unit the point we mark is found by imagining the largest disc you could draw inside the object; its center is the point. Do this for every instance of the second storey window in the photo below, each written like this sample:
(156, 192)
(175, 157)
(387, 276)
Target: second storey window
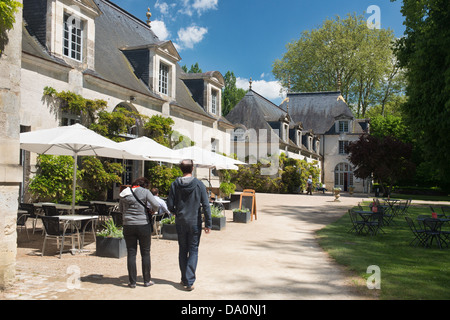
(342, 145)
(343, 126)
(164, 79)
(73, 37)
(214, 102)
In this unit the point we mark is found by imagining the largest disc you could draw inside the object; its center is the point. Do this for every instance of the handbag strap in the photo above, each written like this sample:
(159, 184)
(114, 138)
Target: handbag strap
(138, 200)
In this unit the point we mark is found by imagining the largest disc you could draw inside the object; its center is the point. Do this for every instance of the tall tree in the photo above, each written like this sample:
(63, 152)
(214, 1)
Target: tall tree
(384, 159)
(194, 68)
(343, 54)
(231, 94)
(424, 52)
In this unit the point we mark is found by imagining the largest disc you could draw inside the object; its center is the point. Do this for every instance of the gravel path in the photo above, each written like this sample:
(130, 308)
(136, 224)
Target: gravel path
(275, 257)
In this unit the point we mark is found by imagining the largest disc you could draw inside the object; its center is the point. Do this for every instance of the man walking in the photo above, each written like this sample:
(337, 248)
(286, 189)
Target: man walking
(187, 198)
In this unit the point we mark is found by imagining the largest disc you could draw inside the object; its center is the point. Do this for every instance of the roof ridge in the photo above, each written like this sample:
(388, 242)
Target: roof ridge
(266, 100)
(315, 92)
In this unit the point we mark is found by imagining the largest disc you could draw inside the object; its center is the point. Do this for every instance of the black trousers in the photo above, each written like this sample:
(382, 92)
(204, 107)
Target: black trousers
(133, 235)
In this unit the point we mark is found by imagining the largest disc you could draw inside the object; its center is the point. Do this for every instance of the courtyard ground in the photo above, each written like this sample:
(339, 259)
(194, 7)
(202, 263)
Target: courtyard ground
(275, 257)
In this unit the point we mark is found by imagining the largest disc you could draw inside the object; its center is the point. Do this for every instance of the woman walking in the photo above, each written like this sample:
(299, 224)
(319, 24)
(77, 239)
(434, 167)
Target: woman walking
(137, 227)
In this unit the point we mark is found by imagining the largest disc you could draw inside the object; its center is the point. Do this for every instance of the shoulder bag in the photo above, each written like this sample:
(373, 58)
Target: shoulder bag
(148, 211)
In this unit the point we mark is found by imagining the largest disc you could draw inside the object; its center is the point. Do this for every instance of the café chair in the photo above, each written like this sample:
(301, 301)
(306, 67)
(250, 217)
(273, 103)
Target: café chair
(432, 228)
(357, 225)
(50, 211)
(31, 209)
(55, 230)
(419, 234)
(22, 222)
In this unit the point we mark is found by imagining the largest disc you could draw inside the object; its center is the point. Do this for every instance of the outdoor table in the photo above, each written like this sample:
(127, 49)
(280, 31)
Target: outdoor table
(71, 220)
(367, 217)
(432, 227)
(108, 203)
(60, 206)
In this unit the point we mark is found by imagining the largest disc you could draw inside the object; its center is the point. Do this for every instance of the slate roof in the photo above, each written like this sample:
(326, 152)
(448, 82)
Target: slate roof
(317, 110)
(256, 112)
(121, 51)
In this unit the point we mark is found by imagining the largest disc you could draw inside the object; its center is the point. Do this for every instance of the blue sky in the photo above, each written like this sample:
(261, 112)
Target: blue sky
(246, 36)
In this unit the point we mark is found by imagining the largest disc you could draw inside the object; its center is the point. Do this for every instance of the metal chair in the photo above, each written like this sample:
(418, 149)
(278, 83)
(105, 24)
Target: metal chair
(419, 234)
(31, 209)
(432, 230)
(374, 223)
(54, 230)
(357, 225)
(50, 211)
(102, 211)
(22, 222)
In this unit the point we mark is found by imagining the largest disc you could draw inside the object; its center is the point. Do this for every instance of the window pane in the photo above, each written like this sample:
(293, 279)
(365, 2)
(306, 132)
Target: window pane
(72, 37)
(163, 78)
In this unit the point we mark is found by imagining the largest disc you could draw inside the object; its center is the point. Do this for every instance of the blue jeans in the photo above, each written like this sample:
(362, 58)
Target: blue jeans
(188, 242)
(133, 235)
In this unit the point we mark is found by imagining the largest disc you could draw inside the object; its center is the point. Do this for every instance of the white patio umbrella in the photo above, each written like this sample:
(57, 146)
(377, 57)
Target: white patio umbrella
(75, 140)
(151, 149)
(208, 159)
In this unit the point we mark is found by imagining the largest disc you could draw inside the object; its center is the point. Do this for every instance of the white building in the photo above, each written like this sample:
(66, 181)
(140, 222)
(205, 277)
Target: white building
(329, 117)
(99, 51)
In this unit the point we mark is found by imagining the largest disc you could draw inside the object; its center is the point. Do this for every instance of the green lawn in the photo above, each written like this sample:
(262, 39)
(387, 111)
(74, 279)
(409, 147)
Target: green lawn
(410, 273)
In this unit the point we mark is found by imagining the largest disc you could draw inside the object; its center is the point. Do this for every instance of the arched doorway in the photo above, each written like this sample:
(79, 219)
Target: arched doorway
(343, 176)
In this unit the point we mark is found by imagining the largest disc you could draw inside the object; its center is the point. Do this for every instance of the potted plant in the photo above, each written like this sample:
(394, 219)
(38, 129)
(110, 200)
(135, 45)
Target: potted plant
(218, 218)
(351, 189)
(241, 215)
(168, 228)
(110, 242)
(226, 187)
(337, 193)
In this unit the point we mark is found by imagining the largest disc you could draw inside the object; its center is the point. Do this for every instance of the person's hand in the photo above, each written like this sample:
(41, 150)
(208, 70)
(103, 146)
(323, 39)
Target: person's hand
(207, 230)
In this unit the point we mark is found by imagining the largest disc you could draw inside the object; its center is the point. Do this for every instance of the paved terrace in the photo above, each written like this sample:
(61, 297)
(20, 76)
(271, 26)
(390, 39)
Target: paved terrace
(275, 257)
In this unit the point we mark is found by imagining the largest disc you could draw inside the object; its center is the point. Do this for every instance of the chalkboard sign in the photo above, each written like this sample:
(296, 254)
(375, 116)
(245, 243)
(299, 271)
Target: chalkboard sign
(248, 201)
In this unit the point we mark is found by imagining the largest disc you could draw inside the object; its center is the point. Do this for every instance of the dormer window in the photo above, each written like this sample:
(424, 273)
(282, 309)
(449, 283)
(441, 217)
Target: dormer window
(285, 132)
(214, 102)
(164, 78)
(299, 138)
(73, 37)
(343, 126)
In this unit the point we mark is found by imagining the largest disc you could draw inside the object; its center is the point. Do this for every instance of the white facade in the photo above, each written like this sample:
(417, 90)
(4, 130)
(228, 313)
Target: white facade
(45, 63)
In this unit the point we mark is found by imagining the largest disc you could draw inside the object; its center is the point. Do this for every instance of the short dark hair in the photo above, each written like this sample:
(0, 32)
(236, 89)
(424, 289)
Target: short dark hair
(187, 166)
(141, 182)
(154, 191)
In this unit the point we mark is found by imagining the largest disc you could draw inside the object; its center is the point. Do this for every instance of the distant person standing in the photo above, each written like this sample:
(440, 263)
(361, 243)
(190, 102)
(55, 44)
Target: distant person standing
(162, 204)
(187, 198)
(309, 183)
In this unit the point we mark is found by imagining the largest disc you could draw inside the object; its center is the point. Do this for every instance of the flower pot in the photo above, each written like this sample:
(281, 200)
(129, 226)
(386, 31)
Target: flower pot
(241, 217)
(219, 223)
(169, 232)
(110, 247)
(337, 194)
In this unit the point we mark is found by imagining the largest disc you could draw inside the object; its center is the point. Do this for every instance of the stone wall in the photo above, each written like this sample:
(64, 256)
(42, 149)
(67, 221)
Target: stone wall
(10, 169)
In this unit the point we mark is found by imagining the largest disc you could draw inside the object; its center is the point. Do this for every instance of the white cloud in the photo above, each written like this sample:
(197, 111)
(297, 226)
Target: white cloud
(188, 37)
(204, 5)
(189, 6)
(160, 29)
(270, 90)
(163, 7)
